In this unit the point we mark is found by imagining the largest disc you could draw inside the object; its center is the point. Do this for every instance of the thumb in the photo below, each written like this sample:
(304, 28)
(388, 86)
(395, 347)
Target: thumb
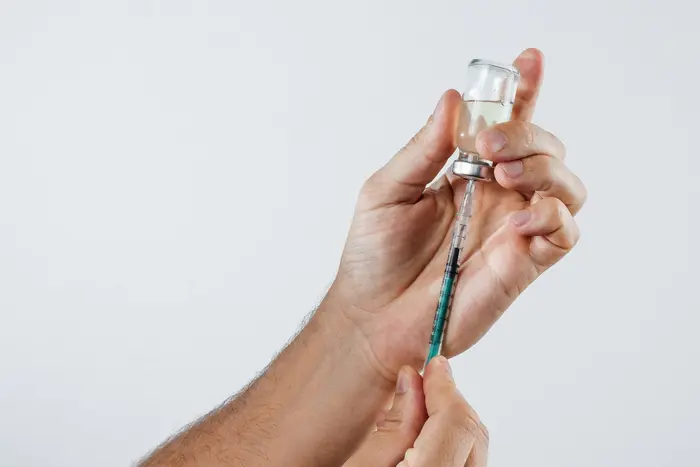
(397, 431)
(441, 393)
(453, 435)
(404, 177)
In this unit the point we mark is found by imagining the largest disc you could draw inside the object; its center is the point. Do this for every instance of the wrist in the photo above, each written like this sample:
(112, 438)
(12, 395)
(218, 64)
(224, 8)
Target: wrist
(391, 336)
(350, 342)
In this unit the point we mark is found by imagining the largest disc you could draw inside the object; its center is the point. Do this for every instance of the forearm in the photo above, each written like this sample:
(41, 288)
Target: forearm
(311, 407)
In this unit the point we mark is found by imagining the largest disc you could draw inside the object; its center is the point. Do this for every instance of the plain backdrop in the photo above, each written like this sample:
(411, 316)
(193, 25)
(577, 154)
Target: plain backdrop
(177, 179)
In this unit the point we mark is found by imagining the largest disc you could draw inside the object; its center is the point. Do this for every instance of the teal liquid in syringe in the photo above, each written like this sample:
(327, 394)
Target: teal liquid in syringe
(449, 280)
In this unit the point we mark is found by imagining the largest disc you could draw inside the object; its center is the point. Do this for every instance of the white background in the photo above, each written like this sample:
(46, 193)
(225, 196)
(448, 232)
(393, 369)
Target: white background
(177, 179)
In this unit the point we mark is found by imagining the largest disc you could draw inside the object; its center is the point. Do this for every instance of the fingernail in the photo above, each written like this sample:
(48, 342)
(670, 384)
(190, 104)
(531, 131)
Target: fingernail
(513, 169)
(528, 59)
(494, 140)
(521, 217)
(402, 382)
(409, 458)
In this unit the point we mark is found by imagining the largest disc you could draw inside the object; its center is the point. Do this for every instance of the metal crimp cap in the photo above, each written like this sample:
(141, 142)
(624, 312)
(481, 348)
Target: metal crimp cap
(473, 170)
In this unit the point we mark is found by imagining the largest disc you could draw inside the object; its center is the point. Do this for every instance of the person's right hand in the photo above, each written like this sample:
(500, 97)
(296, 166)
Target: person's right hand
(389, 278)
(452, 435)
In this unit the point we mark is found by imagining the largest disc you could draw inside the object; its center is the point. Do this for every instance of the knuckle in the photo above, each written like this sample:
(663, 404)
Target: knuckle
(565, 223)
(392, 424)
(525, 133)
(540, 174)
(547, 173)
(579, 199)
(574, 235)
(569, 239)
(399, 428)
(561, 147)
(370, 183)
(520, 135)
(368, 195)
(561, 211)
(463, 417)
(369, 187)
(558, 148)
(584, 192)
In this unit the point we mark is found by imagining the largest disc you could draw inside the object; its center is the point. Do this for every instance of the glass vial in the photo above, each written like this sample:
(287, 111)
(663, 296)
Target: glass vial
(487, 100)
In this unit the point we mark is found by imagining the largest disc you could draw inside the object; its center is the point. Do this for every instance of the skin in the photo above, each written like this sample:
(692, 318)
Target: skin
(319, 399)
(395, 254)
(429, 424)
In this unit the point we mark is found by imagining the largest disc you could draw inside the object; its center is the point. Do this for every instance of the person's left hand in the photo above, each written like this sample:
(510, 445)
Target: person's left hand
(430, 424)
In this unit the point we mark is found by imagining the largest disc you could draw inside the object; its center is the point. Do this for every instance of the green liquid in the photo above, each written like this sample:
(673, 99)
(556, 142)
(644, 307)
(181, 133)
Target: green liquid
(441, 315)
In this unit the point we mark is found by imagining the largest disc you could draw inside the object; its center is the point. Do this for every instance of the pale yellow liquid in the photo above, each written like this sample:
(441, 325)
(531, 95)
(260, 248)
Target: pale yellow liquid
(476, 116)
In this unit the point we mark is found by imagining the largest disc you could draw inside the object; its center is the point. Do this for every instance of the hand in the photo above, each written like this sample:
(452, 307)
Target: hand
(452, 436)
(394, 258)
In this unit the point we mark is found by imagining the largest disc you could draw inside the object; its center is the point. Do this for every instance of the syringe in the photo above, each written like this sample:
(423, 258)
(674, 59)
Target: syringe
(442, 314)
(488, 100)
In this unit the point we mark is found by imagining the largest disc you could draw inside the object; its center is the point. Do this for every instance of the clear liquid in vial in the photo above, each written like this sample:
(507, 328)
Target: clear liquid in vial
(476, 116)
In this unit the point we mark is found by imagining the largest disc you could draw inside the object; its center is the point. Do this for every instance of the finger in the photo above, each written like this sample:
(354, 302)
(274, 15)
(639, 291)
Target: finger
(452, 430)
(442, 395)
(552, 227)
(439, 386)
(517, 139)
(397, 431)
(404, 177)
(547, 176)
(530, 63)
(450, 450)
